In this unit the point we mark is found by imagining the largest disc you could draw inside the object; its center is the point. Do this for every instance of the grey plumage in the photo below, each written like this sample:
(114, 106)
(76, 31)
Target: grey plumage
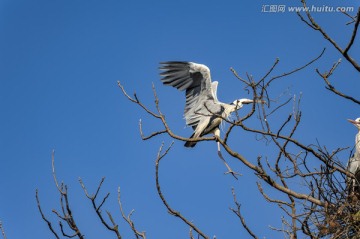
(202, 111)
(354, 162)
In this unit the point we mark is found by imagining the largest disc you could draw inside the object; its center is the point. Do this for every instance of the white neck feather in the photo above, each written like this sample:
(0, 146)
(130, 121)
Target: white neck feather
(228, 110)
(357, 145)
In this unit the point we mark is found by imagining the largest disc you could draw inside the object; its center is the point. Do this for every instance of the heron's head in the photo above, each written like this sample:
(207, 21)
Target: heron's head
(238, 104)
(355, 122)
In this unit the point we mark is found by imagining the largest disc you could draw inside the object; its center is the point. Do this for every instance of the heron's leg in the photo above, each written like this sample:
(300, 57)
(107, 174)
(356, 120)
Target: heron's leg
(353, 185)
(217, 135)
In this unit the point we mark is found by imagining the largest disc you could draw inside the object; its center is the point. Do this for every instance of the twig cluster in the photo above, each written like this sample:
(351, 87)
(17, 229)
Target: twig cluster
(66, 215)
(310, 21)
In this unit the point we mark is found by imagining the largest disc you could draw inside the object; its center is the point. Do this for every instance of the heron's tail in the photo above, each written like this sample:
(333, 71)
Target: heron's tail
(190, 144)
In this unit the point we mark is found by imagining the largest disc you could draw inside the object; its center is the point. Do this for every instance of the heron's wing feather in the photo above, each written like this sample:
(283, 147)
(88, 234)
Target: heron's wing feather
(201, 126)
(196, 80)
(214, 86)
(208, 109)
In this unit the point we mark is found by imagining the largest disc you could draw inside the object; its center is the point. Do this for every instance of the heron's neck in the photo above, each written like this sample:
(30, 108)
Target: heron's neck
(357, 144)
(229, 108)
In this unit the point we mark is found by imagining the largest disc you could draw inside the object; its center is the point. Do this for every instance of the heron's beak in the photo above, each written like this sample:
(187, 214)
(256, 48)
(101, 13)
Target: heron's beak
(247, 101)
(353, 122)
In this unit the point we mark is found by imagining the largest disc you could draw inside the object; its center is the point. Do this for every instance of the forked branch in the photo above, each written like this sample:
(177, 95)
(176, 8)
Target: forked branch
(310, 21)
(65, 216)
(128, 219)
(97, 207)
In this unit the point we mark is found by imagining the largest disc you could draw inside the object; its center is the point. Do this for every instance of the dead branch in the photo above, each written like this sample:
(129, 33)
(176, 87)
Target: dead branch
(312, 24)
(43, 216)
(66, 216)
(325, 76)
(160, 116)
(238, 214)
(97, 207)
(173, 212)
(128, 219)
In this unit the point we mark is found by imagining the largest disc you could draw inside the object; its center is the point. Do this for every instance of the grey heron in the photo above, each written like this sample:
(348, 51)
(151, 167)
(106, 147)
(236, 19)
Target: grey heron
(203, 111)
(354, 162)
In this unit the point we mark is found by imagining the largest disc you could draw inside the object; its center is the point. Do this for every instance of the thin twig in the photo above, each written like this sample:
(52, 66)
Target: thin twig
(43, 216)
(312, 23)
(114, 228)
(238, 214)
(128, 219)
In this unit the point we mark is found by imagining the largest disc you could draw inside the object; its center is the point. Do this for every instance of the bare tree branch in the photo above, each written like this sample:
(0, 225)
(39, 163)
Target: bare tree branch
(330, 87)
(65, 215)
(128, 219)
(43, 216)
(311, 23)
(114, 228)
(238, 214)
(352, 39)
(171, 211)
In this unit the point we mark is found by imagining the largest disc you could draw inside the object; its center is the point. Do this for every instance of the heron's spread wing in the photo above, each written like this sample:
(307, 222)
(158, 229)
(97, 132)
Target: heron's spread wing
(196, 80)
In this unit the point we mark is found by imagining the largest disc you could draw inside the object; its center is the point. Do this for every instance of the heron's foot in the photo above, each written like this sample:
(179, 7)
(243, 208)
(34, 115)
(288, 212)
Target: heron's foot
(234, 174)
(230, 171)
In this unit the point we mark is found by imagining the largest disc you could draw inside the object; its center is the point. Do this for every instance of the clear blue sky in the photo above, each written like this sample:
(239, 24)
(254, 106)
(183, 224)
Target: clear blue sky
(59, 64)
